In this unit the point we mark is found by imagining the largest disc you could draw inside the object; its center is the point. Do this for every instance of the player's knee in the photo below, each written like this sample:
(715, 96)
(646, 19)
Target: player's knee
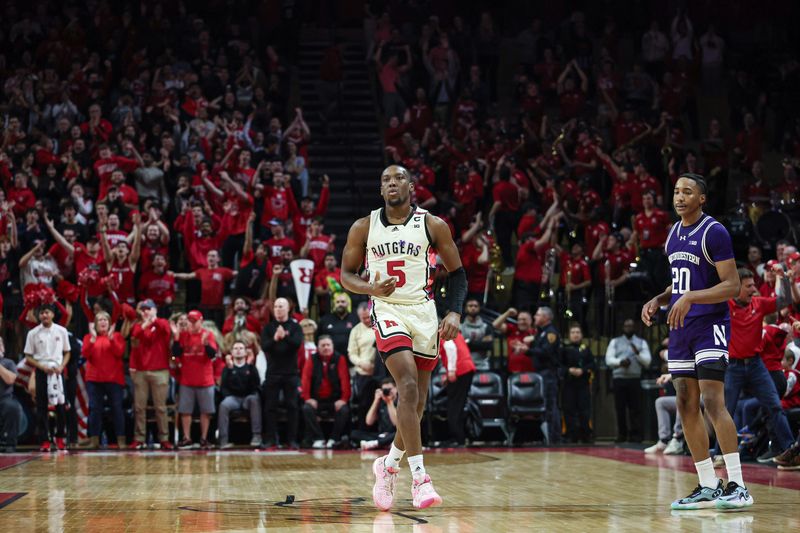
(687, 406)
(407, 389)
(714, 405)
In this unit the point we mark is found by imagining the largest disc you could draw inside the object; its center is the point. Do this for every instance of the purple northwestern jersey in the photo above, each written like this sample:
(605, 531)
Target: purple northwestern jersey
(692, 252)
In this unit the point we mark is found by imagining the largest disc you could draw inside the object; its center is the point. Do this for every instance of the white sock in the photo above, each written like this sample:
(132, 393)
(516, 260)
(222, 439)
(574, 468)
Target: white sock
(705, 470)
(395, 455)
(734, 468)
(415, 463)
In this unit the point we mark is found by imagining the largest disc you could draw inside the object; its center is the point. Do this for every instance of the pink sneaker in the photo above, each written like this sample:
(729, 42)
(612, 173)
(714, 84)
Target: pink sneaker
(423, 494)
(385, 479)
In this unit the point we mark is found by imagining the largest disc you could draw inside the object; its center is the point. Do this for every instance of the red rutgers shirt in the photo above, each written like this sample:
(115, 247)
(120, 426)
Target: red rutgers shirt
(213, 281)
(652, 229)
(746, 326)
(578, 269)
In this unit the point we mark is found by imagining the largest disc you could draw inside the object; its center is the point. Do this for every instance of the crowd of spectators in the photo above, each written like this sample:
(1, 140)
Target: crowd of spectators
(156, 187)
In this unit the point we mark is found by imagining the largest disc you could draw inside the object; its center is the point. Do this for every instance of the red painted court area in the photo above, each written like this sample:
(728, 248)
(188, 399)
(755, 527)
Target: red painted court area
(753, 473)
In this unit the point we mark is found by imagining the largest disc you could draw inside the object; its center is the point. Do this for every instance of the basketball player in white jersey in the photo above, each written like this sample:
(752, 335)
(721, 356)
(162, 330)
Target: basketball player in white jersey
(398, 245)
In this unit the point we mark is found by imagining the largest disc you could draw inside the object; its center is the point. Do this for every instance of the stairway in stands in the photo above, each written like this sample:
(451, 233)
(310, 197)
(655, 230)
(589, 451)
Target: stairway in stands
(351, 152)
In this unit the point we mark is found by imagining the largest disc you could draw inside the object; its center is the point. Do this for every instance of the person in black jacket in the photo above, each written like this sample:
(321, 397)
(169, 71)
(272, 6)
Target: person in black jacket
(280, 340)
(545, 351)
(326, 390)
(577, 365)
(239, 389)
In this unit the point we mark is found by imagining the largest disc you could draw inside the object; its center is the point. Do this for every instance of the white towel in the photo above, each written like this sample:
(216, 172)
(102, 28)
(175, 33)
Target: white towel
(55, 389)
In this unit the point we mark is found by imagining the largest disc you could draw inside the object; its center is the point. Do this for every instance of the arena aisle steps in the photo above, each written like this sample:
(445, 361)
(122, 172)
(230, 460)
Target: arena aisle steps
(351, 150)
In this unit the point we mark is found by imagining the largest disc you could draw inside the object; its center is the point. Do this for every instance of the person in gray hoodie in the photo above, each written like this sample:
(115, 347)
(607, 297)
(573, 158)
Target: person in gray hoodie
(626, 355)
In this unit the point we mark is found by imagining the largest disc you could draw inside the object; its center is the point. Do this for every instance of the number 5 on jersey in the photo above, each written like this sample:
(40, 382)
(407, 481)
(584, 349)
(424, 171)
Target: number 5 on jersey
(394, 268)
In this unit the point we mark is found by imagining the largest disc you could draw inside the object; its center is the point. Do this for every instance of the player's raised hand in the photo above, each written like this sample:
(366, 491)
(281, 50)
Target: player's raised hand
(679, 311)
(382, 288)
(449, 326)
(648, 310)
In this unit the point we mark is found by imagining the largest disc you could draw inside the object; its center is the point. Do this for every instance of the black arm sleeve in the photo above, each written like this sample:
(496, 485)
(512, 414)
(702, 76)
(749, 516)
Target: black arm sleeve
(177, 349)
(210, 351)
(456, 290)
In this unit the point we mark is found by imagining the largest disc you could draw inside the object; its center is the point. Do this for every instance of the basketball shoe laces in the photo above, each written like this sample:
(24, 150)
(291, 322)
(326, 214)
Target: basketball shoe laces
(389, 480)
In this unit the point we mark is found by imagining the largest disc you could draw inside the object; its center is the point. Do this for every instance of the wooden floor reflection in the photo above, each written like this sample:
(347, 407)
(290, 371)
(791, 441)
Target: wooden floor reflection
(578, 489)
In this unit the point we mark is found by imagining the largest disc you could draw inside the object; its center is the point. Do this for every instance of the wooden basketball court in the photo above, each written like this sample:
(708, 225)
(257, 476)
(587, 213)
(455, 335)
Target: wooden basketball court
(566, 489)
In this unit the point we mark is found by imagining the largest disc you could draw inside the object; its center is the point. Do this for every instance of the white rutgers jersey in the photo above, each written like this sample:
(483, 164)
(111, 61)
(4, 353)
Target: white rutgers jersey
(403, 251)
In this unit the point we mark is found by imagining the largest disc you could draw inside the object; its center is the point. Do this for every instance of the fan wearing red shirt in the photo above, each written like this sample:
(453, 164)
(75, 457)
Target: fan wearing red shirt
(627, 127)
(196, 348)
(81, 256)
(114, 233)
(594, 231)
(241, 318)
(241, 170)
(278, 242)
(325, 388)
(199, 243)
(279, 201)
(96, 128)
(157, 284)
(519, 337)
(103, 349)
(460, 369)
(466, 194)
(237, 206)
(155, 240)
(575, 275)
(475, 259)
(767, 288)
(641, 183)
(149, 369)
(773, 345)
(585, 157)
(746, 368)
(610, 250)
(301, 219)
(791, 397)
(420, 195)
(127, 193)
(651, 227)
(529, 272)
(505, 209)
(107, 164)
(572, 99)
(122, 263)
(322, 285)
(419, 116)
(317, 245)
(213, 281)
(20, 197)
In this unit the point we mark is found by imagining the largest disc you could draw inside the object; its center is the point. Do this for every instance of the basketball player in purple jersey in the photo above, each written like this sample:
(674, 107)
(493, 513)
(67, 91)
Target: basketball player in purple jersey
(704, 278)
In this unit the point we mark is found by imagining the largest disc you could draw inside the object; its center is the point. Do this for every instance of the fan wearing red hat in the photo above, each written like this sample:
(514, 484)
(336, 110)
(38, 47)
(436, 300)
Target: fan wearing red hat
(149, 368)
(767, 288)
(197, 348)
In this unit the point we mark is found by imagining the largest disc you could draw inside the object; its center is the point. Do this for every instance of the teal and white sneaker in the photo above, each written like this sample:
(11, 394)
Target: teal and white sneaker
(700, 498)
(734, 497)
